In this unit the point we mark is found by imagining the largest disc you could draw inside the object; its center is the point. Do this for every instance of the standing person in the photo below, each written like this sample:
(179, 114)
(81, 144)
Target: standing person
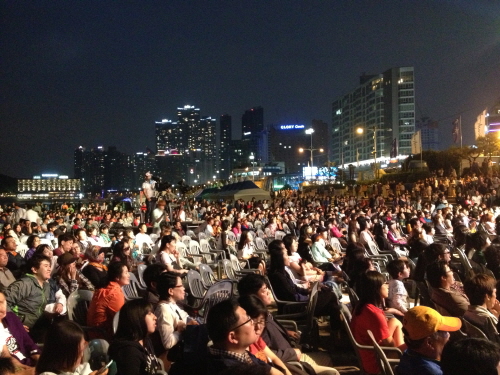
(149, 190)
(132, 349)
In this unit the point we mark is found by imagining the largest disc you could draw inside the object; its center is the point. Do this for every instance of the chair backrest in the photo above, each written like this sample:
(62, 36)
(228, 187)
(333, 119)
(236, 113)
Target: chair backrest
(98, 349)
(286, 228)
(205, 246)
(181, 248)
(228, 269)
(216, 293)
(260, 244)
(384, 364)
(472, 331)
(23, 239)
(279, 235)
(207, 276)
(191, 234)
(373, 248)
(346, 322)
(235, 262)
(267, 231)
(202, 236)
(353, 297)
(194, 247)
(116, 319)
(335, 243)
(249, 225)
(45, 241)
(261, 233)
(195, 284)
(140, 272)
(186, 240)
(22, 249)
(130, 290)
(231, 236)
(78, 304)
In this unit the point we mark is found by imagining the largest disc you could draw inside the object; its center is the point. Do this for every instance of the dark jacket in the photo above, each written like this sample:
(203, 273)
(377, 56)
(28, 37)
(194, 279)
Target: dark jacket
(132, 358)
(219, 363)
(97, 277)
(285, 289)
(27, 299)
(16, 264)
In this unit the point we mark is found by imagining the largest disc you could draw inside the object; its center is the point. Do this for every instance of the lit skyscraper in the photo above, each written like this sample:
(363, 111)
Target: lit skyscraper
(382, 103)
(224, 142)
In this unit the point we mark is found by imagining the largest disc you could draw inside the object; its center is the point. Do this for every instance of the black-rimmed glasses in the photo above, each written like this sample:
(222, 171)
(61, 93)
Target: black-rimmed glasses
(242, 324)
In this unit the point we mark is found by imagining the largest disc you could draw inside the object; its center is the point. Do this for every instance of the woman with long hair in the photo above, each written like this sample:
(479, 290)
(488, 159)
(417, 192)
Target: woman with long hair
(132, 349)
(95, 270)
(68, 277)
(63, 351)
(369, 315)
(246, 251)
(122, 252)
(169, 256)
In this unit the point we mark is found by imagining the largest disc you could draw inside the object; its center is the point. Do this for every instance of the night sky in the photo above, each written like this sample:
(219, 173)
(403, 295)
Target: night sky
(101, 72)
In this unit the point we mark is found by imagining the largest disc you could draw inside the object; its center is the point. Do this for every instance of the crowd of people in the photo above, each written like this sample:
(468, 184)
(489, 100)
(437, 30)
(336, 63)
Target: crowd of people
(440, 233)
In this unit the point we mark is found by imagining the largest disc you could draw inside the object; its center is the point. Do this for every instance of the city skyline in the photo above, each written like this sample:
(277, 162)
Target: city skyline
(101, 73)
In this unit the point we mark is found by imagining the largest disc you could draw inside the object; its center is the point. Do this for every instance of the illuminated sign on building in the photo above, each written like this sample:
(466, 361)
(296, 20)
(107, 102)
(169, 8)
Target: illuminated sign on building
(288, 127)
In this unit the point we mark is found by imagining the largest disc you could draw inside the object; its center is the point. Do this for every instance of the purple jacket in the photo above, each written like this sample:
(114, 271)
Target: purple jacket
(24, 342)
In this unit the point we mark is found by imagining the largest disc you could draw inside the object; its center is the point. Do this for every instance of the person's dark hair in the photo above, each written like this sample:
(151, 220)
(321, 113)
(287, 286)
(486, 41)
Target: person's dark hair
(417, 344)
(243, 239)
(492, 256)
(368, 290)
(378, 229)
(435, 271)
(115, 271)
(478, 287)
(41, 248)
(221, 319)
(63, 334)
(152, 273)
(427, 227)
(119, 250)
(460, 233)
(36, 260)
(31, 240)
(4, 240)
(250, 284)
(225, 225)
(253, 306)
(470, 356)
(394, 267)
(64, 237)
(7, 367)
(132, 322)
(433, 251)
(165, 241)
(288, 241)
(166, 281)
(276, 254)
(476, 241)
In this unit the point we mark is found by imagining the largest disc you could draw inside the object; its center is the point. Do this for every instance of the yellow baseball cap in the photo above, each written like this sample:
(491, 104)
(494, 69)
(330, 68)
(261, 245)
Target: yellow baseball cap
(422, 321)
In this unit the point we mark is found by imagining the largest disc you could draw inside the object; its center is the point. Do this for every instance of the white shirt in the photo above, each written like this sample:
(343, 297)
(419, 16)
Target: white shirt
(169, 315)
(143, 238)
(148, 187)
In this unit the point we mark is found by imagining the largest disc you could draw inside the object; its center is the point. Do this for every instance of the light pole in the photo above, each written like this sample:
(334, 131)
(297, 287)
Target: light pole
(252, 157)
(310, 131)
(360, 131)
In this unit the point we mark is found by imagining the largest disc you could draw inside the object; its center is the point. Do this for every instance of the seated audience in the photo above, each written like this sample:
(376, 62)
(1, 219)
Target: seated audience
(6, 276)
(369, 315)
(471, 356)
(398, 296)
(484, 308)
(150, 276)
(108, 300)
(131, 348)
(68, 277)
(95, 270)
(426, 332)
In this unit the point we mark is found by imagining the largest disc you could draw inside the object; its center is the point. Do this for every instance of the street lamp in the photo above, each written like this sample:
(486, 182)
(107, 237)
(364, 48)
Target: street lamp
(252, 157)
(310, 131)
(361, 131)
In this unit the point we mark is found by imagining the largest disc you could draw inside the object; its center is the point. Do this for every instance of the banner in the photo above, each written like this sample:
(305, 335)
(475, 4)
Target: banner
(416, 143)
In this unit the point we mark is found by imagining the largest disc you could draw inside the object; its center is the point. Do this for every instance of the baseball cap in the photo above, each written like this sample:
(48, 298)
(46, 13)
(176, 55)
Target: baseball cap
(321, 230)
(65, 259)
(422, 321)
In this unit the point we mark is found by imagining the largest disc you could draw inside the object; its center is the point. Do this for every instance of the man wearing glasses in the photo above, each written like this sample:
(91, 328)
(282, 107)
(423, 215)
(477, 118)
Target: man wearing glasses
(232, 331)
(426, 333)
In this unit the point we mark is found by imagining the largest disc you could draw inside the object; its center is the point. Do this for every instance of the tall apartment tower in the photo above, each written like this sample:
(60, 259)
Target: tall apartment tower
(224, 136)
(383, 104)
(169, 136)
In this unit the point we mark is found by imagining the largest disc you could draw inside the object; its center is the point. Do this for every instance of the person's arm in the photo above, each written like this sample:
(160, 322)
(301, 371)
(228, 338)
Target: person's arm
(169, 333)
(275, 360)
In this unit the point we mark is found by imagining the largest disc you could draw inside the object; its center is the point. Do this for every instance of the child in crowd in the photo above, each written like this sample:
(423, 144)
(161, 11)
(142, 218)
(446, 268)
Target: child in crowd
(398, 296)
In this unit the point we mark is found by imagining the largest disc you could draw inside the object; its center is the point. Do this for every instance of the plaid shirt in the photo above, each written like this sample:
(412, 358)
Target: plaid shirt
(74, 284)
(244, 358)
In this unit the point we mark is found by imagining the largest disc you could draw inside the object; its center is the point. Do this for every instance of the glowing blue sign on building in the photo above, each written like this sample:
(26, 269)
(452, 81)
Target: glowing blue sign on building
(288, 127)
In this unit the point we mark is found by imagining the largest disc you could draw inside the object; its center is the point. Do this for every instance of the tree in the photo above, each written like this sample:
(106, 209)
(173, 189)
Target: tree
(489, 144)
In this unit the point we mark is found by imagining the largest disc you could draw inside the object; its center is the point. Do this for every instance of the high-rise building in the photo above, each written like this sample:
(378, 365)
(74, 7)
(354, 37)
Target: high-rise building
(493, 118)
(169, 136)
(224, 136)
(252, 120)
(429, 131)
(382, 104)
(194, 137)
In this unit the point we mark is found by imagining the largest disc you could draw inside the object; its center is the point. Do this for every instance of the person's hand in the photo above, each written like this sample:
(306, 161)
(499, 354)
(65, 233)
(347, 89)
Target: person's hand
(294, 335)
(26, 328)
(298, 352)
(181, 326)
(105, 372)
(58, 308)
(193, 322)
(394, 311)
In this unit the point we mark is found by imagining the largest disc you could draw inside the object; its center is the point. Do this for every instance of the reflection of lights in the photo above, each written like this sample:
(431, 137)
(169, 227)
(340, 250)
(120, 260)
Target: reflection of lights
(360, 130)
